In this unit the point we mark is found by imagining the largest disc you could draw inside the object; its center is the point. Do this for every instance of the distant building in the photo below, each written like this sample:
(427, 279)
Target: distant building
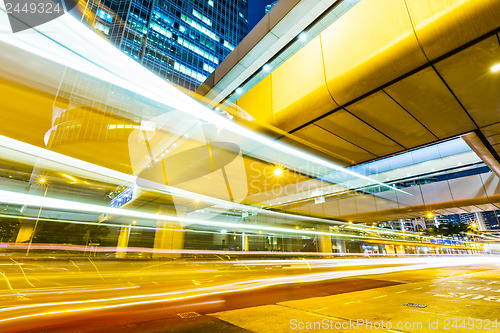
(485, 221)
(467, 218)
(180, 40)
(490, 220)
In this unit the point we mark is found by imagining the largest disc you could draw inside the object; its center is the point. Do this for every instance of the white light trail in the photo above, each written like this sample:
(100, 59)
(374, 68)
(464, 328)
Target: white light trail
(47, 202)
(234, 287)
(88, 53)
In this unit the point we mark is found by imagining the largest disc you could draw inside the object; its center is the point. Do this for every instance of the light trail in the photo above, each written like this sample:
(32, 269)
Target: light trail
(79, 48)
(120, 178)
(47, 202)
(83, 248)
(70, 290)
(247, 285)
(24, 274)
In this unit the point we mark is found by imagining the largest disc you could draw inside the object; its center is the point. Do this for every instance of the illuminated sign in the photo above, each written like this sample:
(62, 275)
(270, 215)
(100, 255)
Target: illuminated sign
(123, 198)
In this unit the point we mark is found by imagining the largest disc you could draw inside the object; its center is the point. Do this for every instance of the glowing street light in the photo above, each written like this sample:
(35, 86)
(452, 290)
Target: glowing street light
(495, 68)
(278, 171)
(43, 182)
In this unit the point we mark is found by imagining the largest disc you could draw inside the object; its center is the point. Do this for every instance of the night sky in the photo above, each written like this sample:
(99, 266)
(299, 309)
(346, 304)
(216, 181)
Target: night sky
(256, 10)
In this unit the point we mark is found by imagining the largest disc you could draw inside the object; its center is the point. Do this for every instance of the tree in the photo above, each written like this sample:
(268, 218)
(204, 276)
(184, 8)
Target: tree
(69, 233)
(8, 228)
(451, 229)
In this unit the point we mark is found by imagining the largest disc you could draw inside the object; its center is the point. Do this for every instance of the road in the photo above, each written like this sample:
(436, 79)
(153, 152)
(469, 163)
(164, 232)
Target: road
(337, 295)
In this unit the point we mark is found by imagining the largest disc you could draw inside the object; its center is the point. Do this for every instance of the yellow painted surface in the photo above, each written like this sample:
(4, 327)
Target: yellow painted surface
(298, 87)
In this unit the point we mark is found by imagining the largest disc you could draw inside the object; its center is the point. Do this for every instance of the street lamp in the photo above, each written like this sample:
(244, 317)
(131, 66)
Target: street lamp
(278, 171)
(42, 181)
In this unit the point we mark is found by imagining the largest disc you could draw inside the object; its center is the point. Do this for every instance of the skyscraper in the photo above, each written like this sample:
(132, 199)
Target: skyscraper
(180, 40)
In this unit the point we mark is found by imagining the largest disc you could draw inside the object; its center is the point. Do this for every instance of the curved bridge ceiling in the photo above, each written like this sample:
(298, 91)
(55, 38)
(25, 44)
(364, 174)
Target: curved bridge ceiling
(389, 76)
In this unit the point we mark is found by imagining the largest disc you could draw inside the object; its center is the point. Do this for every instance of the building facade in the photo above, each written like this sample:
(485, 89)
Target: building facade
(182, 41)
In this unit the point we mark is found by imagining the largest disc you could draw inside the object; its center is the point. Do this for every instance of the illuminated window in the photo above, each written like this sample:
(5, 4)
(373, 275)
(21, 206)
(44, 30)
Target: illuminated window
(200, 28)
(208, 68)
(101, 27)
(204, 19)
(161, 30)
(187, 71)
(197, 50)
(229, 46)
(105, 16)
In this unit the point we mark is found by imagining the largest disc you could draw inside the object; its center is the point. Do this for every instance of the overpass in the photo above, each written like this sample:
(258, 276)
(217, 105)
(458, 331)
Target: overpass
(359, 92)
(414, 74)
(101, 159)
(96, 124)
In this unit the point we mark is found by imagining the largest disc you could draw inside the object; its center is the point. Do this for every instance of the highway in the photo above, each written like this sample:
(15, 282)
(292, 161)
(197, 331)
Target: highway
(40, 295)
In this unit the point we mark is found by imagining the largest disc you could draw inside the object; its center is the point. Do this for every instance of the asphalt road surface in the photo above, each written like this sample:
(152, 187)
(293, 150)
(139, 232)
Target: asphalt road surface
(444, 294)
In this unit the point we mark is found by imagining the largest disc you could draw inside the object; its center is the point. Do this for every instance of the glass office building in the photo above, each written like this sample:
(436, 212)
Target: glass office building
(182, 41)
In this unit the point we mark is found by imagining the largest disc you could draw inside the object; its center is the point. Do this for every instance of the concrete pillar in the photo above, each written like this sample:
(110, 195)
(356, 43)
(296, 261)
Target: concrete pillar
(220, 241)
(287, 244)
(244, 242)
(169, 235)
(340, 246)
(25, 232)
(123, 241)
(480, 221)
(325, 241)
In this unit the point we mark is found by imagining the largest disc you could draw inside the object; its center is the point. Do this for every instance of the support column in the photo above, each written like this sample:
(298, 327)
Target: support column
(25, 232)
(123, 242)
(325, 241)
(287, 244)
(340, 246)
(480, 221)
(169, 235)
(244, 242)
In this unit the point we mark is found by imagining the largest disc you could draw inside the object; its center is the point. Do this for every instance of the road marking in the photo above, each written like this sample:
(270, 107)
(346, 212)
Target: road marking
(402, 291)
(415, 305)
(419, 288)
(187, 315)
(352, 302)
(321, 309)
(321, 315)
(379, 296)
